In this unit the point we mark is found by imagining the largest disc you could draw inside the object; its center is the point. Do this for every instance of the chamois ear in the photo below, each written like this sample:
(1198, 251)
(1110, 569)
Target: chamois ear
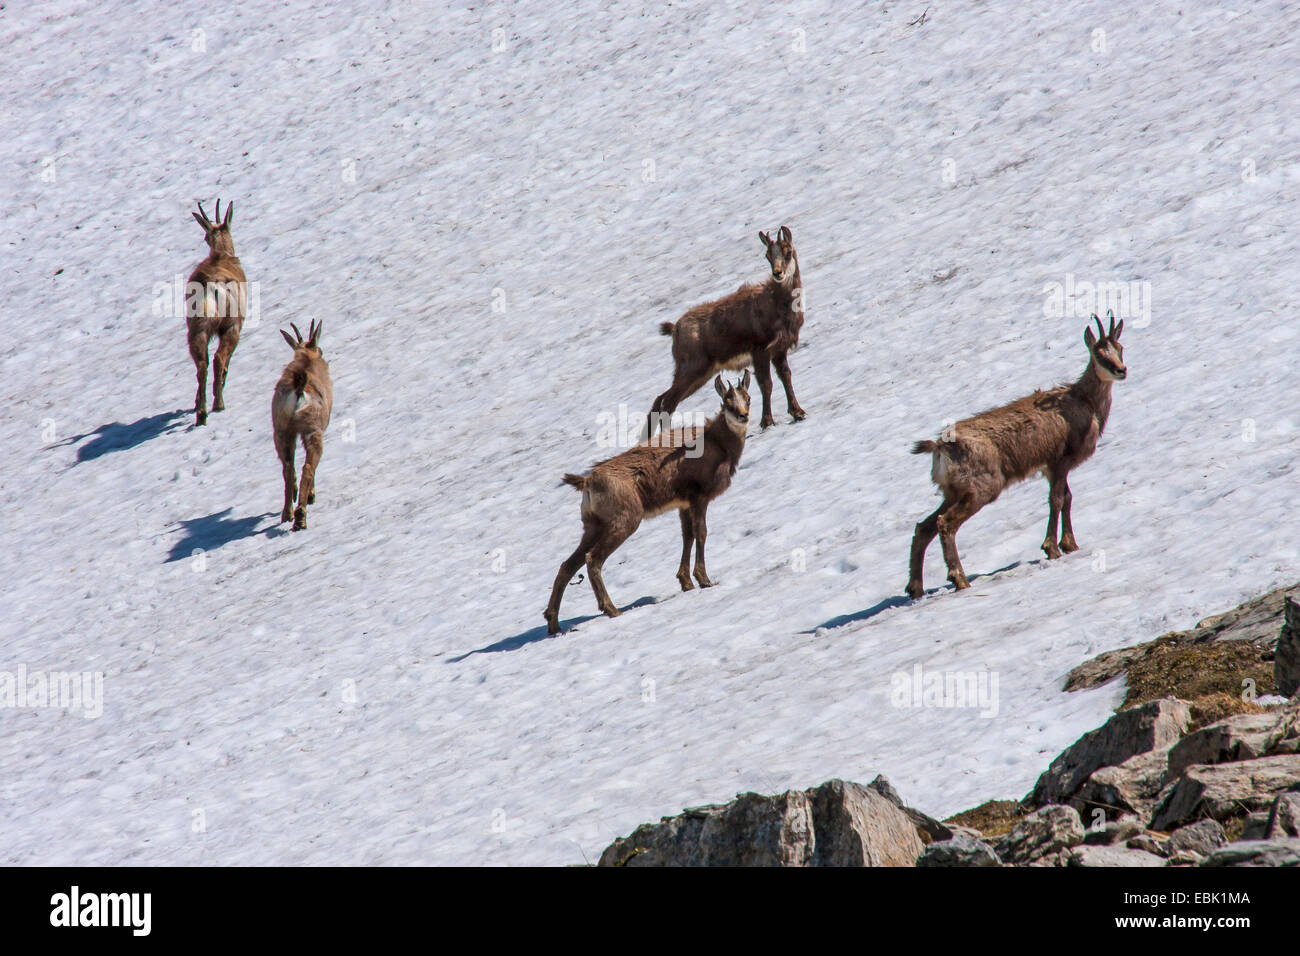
(230, 207)
(1089, 339)
(722, 389)
(297, 333)
(292, 344)
(767, 240)
(202, 217)
(744, 381)
(784, 235)
(199, 220)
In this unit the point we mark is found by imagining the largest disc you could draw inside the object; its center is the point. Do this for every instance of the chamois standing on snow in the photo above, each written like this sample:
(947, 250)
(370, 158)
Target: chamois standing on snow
(682, 470)
(756, 325)
(220, 310)
(1049, 432)
(300, 408)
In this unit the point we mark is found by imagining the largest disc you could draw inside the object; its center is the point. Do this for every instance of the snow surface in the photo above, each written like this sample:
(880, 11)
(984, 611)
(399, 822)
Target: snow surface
(379, 688)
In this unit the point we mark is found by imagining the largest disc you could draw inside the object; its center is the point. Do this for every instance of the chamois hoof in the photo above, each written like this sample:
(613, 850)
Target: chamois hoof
(286, 515)
(300, 520)
(611, 611)
(552, 622)
(767, 423)
(1069, 546)
(958, 579)
(218, 406)
(200, 418)
(705, 580)
(685, 581)
(1052, 551)
(915, 589)
(798, 414)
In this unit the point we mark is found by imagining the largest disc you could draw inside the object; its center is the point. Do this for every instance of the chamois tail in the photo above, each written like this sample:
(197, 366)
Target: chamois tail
(578, 481)
(665, 328)
(299, 381)
(924, 447)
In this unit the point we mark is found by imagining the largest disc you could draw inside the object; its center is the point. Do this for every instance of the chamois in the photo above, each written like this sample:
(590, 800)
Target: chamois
(300, 408)
(756, 325)
(682, 470)
(1049, 432)
(220, 311)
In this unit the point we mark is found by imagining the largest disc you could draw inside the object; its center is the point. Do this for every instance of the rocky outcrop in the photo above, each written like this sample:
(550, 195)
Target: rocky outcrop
(1257, 853)
(1286, 659)
(1041, 836)
(836, 824)
(1241, 737)
(1153, 726)
(1226, 790)
(959, 850)
(1198, 839)
(1097, 856)
(1131, 787)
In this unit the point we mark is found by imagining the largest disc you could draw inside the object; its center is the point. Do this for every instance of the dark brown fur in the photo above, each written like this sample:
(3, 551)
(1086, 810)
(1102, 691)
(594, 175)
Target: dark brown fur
(221, 312)
(648, 480)
(300, 409)
(756, 325)
(1051, 432)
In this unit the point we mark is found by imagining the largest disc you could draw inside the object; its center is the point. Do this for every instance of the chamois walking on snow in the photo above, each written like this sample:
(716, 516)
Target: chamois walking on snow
(1049, 432)
(682, 470)
(300, 408)
(756, 325)
(218, 311)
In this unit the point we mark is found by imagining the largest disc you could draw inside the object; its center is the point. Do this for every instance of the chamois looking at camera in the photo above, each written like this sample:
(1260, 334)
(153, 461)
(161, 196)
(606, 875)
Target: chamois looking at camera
(756, 325)
(1049, 432)
(682, 470)
(220, 310)
(300, 409)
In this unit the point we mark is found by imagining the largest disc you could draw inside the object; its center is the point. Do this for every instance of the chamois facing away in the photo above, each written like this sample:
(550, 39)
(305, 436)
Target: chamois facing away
(756, 325)
(1049, 432)
(220, 313)
(682, 470)
(300, 408)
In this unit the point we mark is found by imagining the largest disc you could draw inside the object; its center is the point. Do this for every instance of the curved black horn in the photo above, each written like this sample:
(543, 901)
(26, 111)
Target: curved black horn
(230, 207)
(1110, 314)
(218, 219)
(1101, 333)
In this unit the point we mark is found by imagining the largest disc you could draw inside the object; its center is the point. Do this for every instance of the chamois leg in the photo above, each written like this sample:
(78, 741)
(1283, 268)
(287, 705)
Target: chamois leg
(763, 372)
(615, 534)
(284, 450)
(684, 384)
(952, 519)
(199, 352)
(221, 365)
(688, 541)
(926, 529)
(701, 532)
(1068, 544)
(313, 445)
(782, 366)
(1055, 505)
(590, 532)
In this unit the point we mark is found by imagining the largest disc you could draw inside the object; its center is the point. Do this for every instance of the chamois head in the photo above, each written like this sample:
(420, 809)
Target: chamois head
(1107, 353)
(780, 254)
(735, 402)
(313, 338)
(217, 234)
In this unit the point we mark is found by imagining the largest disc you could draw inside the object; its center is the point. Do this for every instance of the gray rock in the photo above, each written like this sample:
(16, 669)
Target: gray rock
(836, 824)
(1225, 790)
(1153, 726)
(1042, 835)
(961, 850)
(1185, 858)
(1283, 818)
(856, 826)
(1255, 827)
(1098, 856)
(1148, 843)
(929, 826)
(1131, 787)
(1200, 838)
(1257, 853)
(1239, 737)
(1286, 658)
(1116, 831)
